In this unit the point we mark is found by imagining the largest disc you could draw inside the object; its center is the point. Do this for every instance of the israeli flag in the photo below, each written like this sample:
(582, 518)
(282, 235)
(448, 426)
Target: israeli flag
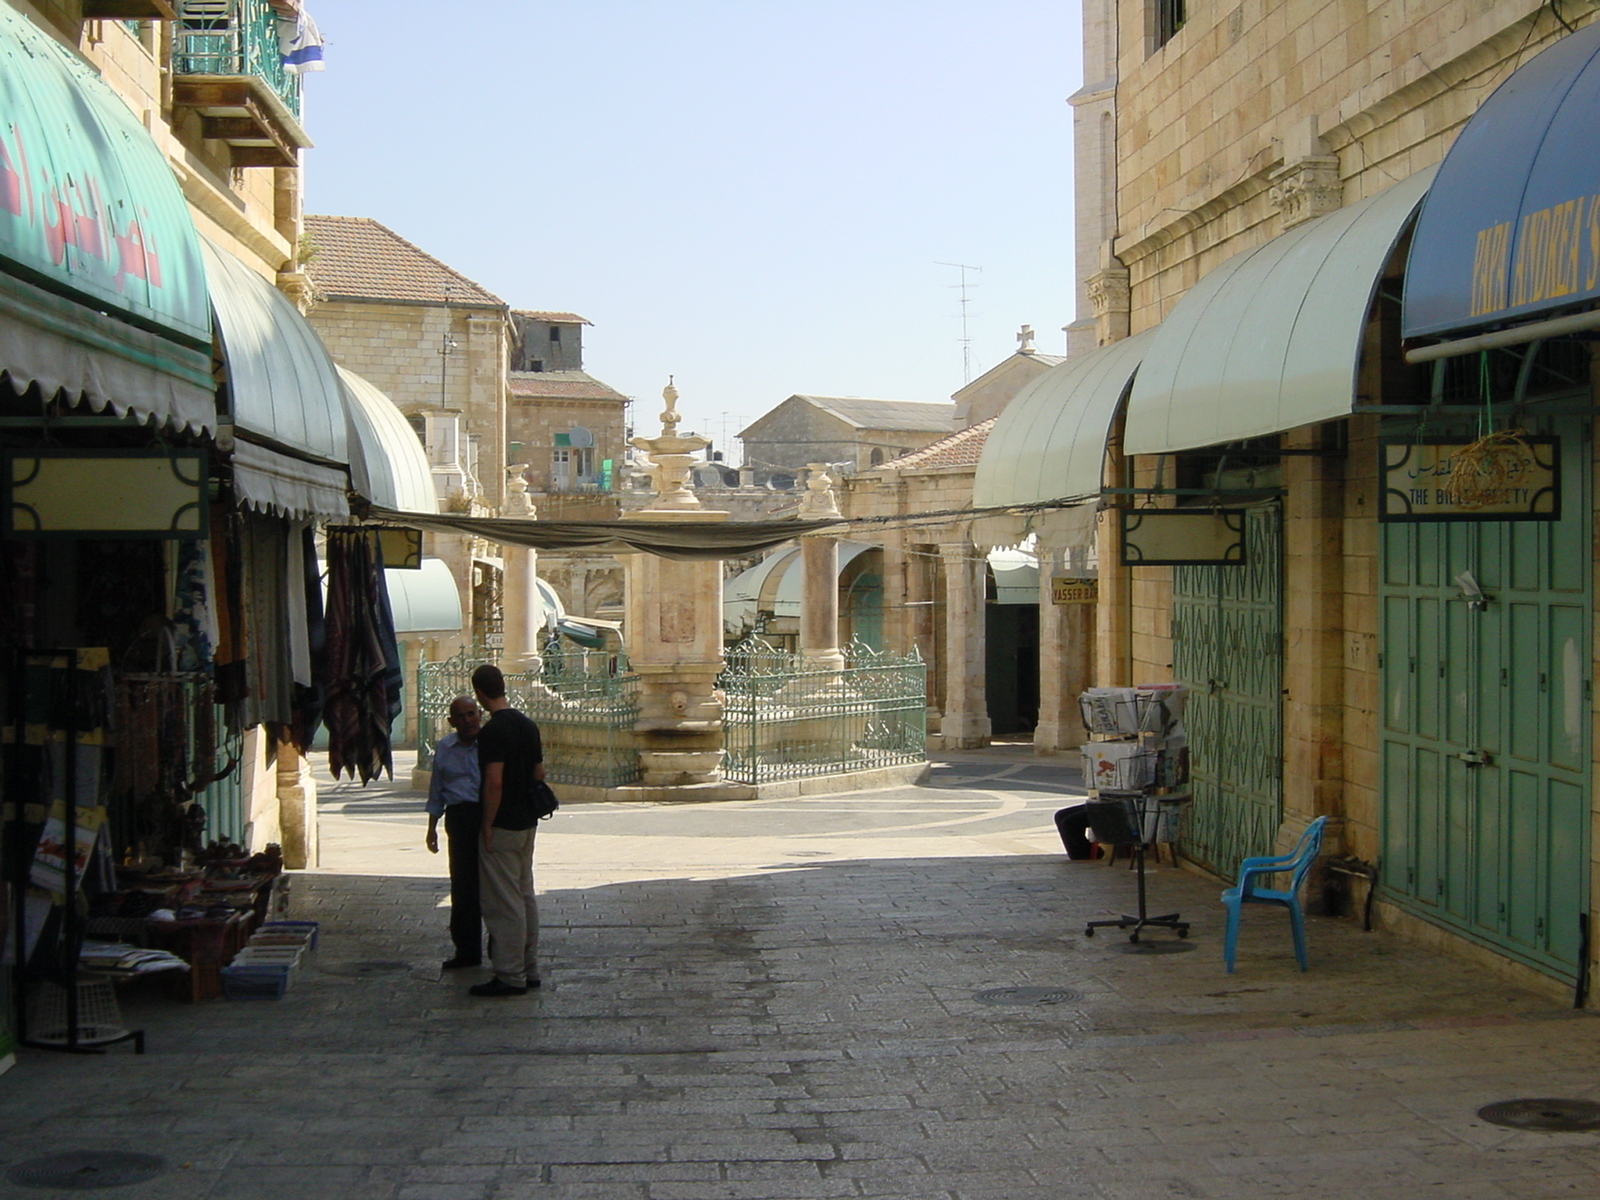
(300, 43)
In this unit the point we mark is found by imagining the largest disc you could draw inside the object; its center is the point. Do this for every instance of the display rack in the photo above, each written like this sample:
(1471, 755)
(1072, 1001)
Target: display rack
(1135, 762)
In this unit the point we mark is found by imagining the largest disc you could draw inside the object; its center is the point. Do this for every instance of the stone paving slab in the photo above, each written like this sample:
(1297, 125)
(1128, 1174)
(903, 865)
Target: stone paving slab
(764, 1000)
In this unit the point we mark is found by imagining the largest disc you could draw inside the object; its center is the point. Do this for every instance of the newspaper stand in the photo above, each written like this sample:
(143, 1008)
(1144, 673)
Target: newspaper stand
(1137, 756)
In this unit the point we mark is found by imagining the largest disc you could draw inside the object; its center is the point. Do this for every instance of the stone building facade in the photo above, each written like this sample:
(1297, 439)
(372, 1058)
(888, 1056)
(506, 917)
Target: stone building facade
(1345, 672)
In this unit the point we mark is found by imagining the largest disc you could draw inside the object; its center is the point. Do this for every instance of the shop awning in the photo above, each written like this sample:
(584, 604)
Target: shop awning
(791, 584)
(1269, 340)
(270, 481)
(1049, 443)
(1016, 576)
(424, 601)
(387, 463)
(102, 293)
(1510, 231)
(285, 391)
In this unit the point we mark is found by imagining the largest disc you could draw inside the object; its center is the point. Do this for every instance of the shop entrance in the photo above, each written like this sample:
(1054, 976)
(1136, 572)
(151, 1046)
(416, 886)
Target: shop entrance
(1227, 635)
(1485, 722)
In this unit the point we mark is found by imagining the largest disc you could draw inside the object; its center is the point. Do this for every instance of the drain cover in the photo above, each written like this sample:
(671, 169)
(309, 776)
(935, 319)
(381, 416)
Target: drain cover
(1021, 996)
(370, 968)
(1162, 947)
(1544, 1116)
(80, 1170)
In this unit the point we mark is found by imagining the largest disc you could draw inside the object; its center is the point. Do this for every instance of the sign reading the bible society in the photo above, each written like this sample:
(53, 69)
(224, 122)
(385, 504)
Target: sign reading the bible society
(1065, 590)
(1441, 479)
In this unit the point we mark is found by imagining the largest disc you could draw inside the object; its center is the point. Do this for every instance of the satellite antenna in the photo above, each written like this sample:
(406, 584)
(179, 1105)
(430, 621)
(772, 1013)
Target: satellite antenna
(966, 340)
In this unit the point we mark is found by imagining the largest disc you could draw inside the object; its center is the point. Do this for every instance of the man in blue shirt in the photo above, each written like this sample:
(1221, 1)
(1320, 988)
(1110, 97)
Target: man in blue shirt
(454, 793)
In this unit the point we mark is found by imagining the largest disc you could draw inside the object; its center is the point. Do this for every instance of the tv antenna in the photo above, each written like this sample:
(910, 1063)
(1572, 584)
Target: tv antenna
(966, 340)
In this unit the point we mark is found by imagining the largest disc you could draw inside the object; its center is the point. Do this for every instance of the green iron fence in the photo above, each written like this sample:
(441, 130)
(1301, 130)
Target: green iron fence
(785, 718)
(584, 702)
(233, 37)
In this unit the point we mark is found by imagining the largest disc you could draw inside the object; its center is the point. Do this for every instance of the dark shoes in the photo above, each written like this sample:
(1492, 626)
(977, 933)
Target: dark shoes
(456, 963)
(496, 987)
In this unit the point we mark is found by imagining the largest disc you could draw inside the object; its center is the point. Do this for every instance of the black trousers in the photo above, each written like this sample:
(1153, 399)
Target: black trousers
(1073, 824)
(463, 827)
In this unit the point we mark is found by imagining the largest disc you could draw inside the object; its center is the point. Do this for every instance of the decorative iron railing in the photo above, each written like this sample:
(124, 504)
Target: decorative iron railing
(785, 718)
(585, 703)
(233, 37)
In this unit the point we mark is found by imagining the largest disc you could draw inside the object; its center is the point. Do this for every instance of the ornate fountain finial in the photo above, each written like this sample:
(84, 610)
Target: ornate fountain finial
(517, 503)
(670, 458)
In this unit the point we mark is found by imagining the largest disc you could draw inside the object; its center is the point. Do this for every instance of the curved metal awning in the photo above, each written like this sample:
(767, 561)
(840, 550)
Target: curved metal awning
(1049, 443)
(387, 463)
(424, 601)
(1016, 576)
(1269, 340)
(1511, 227)
(785, 597)
(102, 293)
(284, 394)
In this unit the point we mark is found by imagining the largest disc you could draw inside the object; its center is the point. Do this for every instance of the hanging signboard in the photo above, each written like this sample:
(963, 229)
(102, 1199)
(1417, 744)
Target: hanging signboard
(1182, 537)
(54, 492)
(1504, 478)
(1067, 590)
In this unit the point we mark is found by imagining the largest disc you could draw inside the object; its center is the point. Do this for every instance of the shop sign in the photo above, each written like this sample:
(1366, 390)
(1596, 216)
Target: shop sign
(1066, 590)
(1506, 477)
(56, 493)
(1183, 537)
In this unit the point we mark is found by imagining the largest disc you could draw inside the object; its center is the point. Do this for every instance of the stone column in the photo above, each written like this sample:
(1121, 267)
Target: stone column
(674, 621)
(297, 809)
(965, 721)
(819, 560)
(1066, 645)
(519, 597)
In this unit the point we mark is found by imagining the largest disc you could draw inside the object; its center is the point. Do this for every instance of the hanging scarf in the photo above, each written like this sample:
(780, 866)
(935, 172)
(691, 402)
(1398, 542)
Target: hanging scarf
(363, 661)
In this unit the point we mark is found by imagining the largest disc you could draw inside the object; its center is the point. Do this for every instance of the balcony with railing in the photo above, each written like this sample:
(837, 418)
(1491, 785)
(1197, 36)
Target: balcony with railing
(227, 67)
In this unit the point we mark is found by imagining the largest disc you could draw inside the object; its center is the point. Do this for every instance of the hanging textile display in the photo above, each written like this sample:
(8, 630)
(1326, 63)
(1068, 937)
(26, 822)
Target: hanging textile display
(269, 668)
(363, 659)
(227, 606)
(311, 694)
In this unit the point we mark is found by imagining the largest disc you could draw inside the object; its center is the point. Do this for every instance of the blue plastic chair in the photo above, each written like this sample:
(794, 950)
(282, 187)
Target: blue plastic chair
(1297, 862)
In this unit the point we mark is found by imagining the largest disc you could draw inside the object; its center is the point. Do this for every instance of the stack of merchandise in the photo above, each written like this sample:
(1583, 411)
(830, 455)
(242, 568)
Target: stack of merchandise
(1139, 743)
(265, 967)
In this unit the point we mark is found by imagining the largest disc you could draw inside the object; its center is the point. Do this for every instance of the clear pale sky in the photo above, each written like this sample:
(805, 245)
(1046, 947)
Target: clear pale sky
(754, 196)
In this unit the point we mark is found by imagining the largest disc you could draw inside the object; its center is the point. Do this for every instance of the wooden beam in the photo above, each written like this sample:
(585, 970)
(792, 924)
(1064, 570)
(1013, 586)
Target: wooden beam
(129, 10)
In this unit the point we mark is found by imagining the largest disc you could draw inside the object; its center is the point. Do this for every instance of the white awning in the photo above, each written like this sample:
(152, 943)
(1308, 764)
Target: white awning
(269, 481)
(424, 601)
(387, 463)
(1049, 443)
(1270, 340)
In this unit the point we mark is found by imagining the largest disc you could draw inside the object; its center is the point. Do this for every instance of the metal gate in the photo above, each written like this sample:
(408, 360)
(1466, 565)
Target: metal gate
(585, 703)
(1485, 723)
(787, 719)
(1227, 634)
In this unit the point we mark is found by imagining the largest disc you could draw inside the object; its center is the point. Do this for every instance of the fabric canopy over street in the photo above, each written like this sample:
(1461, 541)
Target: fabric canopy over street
(387, 463)
(424, 601)
(1049, 443)
(668, 539)
(1016, 576)
(102, 292)
(1511, 227)
(1269, 340)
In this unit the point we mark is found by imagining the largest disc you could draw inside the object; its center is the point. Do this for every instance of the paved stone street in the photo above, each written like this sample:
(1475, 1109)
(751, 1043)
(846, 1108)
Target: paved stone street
(778, 999)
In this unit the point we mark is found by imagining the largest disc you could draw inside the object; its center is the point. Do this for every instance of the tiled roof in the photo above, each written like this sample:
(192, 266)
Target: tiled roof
(913, 415)
(552, 318)
(958, 450)
(561, 385)
(355, 258)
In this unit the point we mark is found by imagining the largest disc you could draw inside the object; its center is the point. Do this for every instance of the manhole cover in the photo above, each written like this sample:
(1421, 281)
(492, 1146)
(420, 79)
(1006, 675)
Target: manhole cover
(1021, 996)
(80, 1170)
(370, 968)
(1161, 947)
(1545, 1116)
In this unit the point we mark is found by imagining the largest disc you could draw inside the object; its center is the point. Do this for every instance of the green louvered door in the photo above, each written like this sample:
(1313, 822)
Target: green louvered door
(1227, 632)
(1484, 724)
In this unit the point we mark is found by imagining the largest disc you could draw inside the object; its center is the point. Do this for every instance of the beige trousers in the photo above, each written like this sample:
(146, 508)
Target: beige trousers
(505, 873)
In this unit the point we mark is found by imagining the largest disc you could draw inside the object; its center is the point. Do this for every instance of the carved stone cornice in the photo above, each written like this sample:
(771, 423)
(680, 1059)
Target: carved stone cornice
(1306, 188)
(1109, 291)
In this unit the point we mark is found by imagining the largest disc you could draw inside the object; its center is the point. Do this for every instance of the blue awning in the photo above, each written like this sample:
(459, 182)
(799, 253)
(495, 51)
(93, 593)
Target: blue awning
(1511, 227)
(424, 601)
